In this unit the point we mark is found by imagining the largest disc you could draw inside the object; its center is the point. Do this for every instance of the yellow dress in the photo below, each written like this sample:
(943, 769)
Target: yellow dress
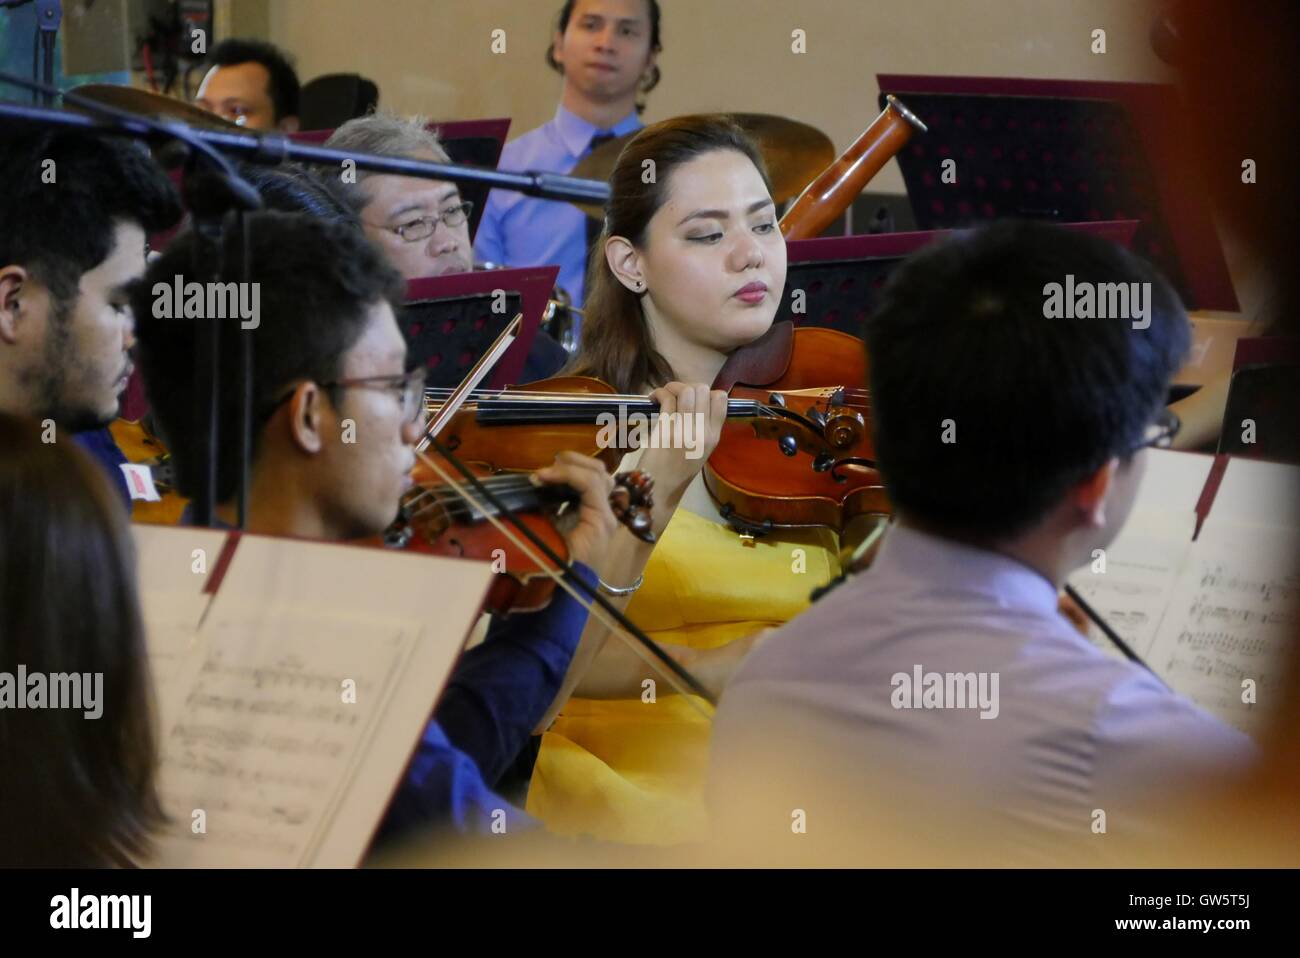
(633, 771)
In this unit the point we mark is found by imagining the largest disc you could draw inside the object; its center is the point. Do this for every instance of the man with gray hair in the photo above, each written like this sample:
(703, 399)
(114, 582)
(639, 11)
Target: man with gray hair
(421, 225)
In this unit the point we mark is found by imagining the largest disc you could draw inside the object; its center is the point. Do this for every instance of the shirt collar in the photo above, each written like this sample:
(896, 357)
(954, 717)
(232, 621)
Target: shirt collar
(576, 133)
(953, 565)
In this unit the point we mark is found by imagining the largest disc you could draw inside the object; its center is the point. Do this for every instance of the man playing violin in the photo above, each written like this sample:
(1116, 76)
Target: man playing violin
(337, 414)
(75, 212)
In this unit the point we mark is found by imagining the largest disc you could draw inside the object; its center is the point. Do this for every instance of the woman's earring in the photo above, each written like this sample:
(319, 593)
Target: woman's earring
(639, 284)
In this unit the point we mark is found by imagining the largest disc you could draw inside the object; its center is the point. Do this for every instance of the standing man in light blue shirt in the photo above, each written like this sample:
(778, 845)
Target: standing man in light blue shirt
(605, 50)
(938, 708)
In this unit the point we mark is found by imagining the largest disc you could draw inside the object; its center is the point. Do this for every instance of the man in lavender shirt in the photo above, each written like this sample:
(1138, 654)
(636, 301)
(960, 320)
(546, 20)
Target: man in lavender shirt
(938, 705)
(605, 51)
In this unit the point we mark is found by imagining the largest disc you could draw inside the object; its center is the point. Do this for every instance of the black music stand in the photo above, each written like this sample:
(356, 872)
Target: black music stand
(449, 321)
(1265, 389)
(1066, 151)
(840, 276)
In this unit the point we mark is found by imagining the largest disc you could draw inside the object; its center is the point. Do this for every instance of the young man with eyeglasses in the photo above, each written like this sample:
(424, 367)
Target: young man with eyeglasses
(1012, 446)
(422, 226)
(337, 416)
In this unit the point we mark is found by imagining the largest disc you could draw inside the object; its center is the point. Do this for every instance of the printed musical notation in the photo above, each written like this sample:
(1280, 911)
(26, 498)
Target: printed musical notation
(1208, 615)
(1230, 623)
(1133, 592)
(266, 731)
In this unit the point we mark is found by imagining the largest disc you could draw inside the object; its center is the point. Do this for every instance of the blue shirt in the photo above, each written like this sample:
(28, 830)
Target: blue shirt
(99, 443)
(494, 700)
(519, 230)
(1067, 729)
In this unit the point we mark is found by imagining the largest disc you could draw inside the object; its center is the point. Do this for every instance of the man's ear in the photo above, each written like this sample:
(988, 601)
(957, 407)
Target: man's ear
(307, 416)
(13, 283)
(625, 262)
(557, 44)
(289, 124)
(1090, 495)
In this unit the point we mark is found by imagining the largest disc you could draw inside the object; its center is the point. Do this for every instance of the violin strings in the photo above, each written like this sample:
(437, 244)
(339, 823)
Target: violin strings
(506, 483)
(457, 508)
(592, 608)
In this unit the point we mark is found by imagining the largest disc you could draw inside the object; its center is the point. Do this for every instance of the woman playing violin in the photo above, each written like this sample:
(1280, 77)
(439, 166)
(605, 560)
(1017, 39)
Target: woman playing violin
(693, 267)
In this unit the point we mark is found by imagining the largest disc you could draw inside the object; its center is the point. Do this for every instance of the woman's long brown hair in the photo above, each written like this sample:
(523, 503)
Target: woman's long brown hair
(74, 791)
(616, 344)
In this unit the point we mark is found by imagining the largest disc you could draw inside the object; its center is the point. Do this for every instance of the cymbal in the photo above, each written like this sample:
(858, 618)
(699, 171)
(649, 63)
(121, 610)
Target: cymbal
(148, 103)
(795, 154)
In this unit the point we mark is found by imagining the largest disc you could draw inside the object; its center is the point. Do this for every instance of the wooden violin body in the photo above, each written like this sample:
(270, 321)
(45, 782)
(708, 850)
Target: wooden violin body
(531, 438)
(142, 447)
(437, 520)
(797, 452)
(760, 487)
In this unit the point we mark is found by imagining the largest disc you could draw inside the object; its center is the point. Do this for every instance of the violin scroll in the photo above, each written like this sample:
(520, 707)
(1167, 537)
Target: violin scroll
(631, 502)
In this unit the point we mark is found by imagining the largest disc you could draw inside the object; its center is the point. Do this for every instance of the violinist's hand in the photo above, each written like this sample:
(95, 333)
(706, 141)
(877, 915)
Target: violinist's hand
(674, 468)
(590, 534)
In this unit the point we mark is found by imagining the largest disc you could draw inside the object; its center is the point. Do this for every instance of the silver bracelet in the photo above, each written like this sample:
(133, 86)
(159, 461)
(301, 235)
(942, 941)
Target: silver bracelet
(608, 589)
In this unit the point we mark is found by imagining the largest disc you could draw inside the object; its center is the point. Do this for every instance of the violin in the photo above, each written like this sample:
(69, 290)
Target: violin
(140, 446)
(797, 448)
(757, 492)
(754, 492)
(438, 519)
(522, 428)
(790, 438)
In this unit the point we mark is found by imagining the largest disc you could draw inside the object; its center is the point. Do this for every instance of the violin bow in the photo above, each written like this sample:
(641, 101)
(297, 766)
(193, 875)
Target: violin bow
(471, 380)
(564, 576)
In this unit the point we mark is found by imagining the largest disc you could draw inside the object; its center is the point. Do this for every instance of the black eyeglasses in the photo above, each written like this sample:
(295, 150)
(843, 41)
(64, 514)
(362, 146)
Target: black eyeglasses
(424, 227)
(1160, 433)
(409, 386)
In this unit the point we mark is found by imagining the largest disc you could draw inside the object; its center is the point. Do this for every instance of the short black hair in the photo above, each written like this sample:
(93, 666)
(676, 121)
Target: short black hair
(284, 86)
(317, 280)
(656, 45)
(1037, 404)
(63, 193)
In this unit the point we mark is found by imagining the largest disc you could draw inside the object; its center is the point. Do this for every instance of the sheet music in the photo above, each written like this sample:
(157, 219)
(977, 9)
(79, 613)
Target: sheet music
(1141, 570)
(171, 626)
(1209, 614)
(1231, 618)
(255, 729)
(262, 739)
(1143, 563)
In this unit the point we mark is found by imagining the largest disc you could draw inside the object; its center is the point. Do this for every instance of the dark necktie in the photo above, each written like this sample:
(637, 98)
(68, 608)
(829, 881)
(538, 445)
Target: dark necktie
(594, 225)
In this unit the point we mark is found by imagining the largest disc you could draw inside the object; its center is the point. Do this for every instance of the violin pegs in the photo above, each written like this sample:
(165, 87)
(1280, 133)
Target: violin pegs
(823, 462)
(788, 445)
(642, 526)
